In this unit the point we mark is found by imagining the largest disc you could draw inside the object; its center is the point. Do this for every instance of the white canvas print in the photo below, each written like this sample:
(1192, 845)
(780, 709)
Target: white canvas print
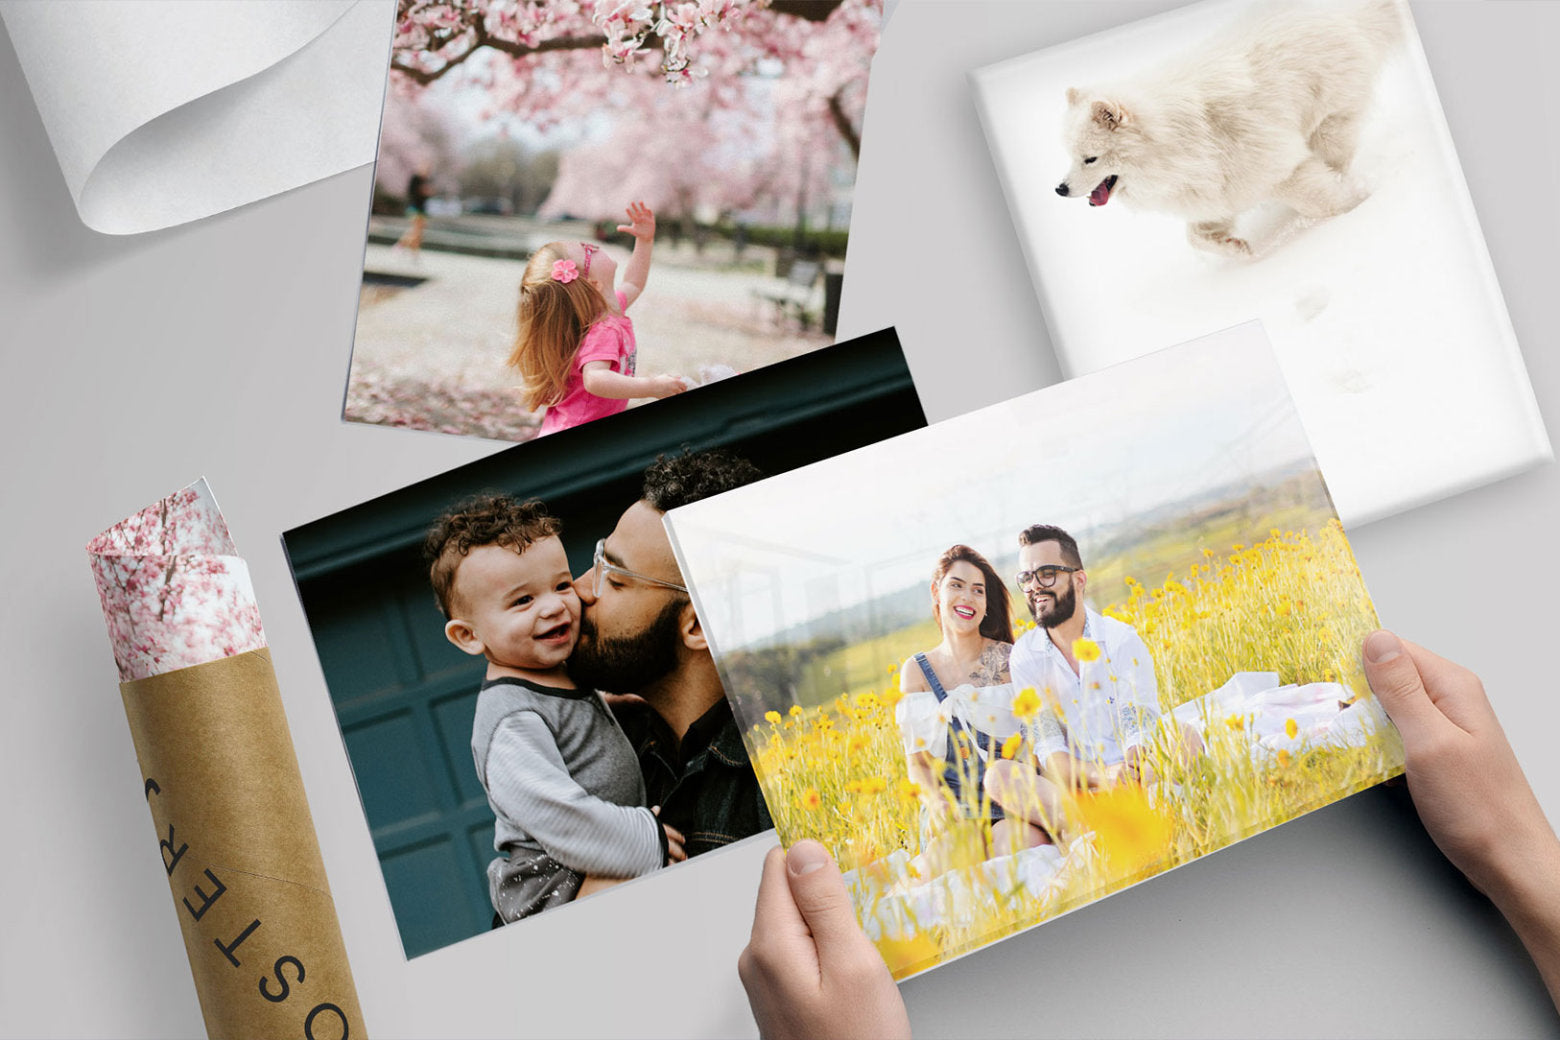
(1286, 161)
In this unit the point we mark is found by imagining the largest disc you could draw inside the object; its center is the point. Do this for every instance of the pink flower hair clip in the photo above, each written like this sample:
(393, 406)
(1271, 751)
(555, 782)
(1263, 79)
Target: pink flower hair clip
(564, 271)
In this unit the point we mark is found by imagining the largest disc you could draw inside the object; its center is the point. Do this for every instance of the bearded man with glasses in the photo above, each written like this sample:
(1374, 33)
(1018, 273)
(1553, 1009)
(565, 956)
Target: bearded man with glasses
(640, 635)
(1094, 671)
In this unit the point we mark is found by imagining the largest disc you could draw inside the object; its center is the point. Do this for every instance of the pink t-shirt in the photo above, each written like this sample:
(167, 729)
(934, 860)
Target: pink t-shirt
(610, 339)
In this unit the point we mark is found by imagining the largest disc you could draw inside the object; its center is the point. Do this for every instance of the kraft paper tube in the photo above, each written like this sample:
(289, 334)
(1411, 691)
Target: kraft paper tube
(221, 778)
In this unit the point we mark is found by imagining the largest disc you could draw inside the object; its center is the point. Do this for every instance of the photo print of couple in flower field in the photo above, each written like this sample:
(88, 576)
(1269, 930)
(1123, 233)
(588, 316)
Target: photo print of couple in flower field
(582, 206)
(1037, 653)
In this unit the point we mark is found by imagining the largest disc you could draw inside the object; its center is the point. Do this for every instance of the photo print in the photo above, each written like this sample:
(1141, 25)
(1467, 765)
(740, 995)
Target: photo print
(582, 206)
(1016, 661)
(469, 625)
(1286, 161)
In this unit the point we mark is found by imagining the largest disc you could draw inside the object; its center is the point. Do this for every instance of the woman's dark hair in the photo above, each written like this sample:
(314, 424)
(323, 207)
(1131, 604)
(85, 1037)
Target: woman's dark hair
(998, 622)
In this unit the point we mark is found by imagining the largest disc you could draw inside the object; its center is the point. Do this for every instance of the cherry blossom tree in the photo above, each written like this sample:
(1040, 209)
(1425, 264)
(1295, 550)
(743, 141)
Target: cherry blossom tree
(711, 103)
(434, 36)
(415, 137)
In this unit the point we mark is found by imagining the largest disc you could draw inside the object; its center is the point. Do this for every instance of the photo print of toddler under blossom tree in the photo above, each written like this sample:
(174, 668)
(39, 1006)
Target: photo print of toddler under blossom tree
(512, 126)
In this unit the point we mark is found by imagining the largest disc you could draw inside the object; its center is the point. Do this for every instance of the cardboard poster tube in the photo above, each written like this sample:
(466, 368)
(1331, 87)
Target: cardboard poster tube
(238, 844)
(221, 777)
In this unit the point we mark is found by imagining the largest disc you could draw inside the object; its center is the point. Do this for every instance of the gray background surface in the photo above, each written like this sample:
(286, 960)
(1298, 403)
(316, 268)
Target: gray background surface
(132, 366)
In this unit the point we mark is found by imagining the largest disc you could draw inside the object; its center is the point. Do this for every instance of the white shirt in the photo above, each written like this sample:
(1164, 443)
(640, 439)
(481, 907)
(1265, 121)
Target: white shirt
(1108, 705)
(923, 722)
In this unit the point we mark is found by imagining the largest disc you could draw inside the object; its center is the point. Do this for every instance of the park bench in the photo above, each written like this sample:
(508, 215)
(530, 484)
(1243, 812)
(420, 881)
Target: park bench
(793, 296)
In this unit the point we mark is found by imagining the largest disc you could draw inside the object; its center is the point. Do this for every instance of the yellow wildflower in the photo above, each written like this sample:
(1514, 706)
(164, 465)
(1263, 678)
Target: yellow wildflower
(810, 799)
(1085, 649)
(904, 956)
(772, 717)
(1027, 704)
(1011, 745)
(1132, 834)
(1290, 728)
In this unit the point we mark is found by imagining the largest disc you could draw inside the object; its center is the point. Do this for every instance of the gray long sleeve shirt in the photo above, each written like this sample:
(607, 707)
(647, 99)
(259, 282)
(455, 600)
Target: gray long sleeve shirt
(563, 780)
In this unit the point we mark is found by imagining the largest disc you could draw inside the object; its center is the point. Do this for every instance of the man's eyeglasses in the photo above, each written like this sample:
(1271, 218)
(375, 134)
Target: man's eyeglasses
(1045, 577)
(603, 566)
(590, 251)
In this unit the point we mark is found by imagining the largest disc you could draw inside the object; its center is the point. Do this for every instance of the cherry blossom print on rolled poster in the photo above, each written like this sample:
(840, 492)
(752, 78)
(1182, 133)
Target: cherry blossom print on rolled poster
(175, 592)
(220, 775)
(520, 131)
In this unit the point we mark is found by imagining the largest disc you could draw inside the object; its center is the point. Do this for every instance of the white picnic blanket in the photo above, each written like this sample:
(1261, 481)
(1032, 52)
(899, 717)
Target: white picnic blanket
(895, 905)
(1319, 710)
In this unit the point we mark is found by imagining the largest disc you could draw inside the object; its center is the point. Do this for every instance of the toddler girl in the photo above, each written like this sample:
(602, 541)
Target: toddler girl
(575, 350)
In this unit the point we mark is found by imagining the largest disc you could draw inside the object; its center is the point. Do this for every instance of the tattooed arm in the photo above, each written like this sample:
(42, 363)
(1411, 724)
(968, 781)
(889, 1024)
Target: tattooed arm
(992, 667)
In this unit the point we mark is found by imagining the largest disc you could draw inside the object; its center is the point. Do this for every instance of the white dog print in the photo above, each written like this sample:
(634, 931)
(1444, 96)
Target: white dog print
(1268, 111)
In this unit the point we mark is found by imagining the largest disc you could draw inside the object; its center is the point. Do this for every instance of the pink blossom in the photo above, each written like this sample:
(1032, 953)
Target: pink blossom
(564, 271)
(715, 106)
(173, 590)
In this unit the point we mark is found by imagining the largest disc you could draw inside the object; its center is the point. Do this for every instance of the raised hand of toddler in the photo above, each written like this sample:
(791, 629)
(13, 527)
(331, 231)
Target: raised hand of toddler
(641, 224)
(641, 221)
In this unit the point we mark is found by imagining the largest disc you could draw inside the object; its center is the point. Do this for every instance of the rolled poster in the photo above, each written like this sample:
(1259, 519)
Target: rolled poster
(221, 777)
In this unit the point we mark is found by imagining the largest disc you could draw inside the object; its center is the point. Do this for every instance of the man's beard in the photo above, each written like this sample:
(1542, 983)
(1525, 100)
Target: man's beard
(629, 663)
(1061, 611)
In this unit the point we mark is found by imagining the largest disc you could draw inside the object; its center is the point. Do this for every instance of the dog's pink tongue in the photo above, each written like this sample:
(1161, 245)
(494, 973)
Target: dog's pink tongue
(1101, 194)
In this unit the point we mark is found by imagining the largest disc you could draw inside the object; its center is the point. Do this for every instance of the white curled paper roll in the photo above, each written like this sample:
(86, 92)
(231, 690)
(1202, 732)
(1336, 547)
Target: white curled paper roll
(164, 112)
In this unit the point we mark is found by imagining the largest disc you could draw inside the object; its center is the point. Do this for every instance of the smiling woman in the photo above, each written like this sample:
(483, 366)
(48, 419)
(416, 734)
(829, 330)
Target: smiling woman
(956, 715)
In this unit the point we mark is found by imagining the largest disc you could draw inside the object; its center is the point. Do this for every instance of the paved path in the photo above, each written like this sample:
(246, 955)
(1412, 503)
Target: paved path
(431, 356)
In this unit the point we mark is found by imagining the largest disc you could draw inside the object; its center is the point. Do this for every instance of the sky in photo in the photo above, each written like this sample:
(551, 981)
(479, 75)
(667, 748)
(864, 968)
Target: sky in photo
(1169, 427)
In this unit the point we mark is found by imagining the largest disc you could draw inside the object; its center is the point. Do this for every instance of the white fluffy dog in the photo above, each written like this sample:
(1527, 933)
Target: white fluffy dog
(1270, 110)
